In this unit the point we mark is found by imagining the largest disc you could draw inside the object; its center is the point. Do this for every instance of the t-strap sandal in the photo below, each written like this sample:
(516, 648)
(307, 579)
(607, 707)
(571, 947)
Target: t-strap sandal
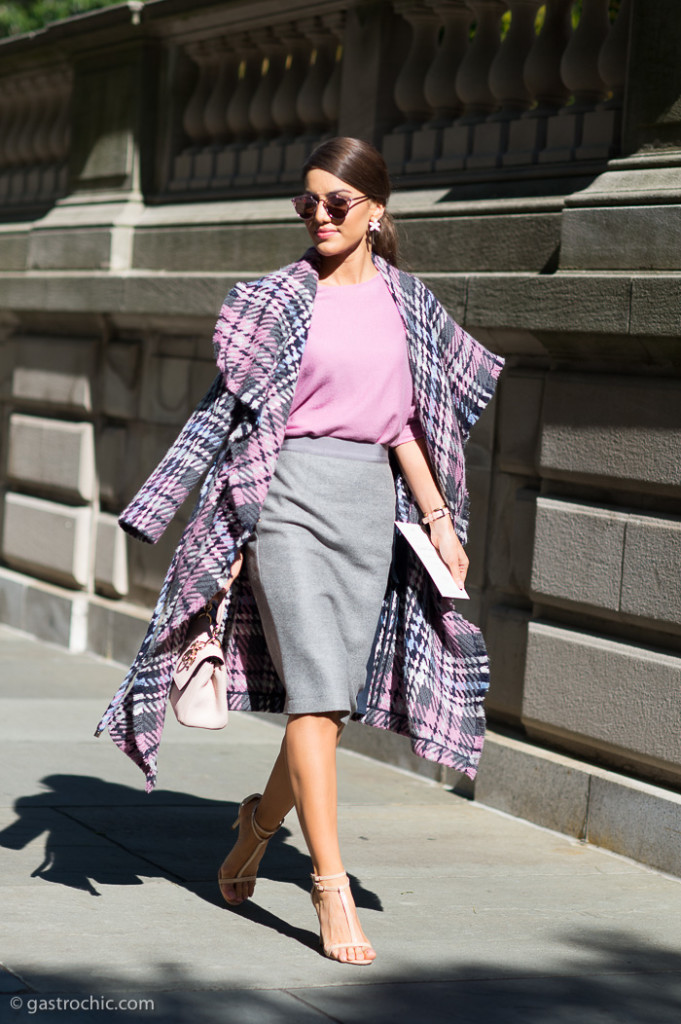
(318, 886)
(246, 819)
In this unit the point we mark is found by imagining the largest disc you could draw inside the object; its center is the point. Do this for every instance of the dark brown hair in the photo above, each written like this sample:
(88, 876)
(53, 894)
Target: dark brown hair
(361, 165)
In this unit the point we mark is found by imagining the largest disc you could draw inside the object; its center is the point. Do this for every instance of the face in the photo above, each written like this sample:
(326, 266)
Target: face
(334, 237)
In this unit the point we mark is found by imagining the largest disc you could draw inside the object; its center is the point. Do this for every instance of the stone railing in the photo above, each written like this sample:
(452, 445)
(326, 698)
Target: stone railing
(35, 130)
(505, 89)
(470, 86)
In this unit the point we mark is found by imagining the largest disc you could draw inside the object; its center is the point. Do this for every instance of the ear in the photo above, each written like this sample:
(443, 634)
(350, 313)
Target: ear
(377, 210)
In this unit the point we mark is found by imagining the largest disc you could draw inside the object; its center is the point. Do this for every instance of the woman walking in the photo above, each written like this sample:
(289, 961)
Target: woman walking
(345, 394)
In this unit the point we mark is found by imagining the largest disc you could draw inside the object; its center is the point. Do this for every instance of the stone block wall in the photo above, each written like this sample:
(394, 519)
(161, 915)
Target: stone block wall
(111, 278)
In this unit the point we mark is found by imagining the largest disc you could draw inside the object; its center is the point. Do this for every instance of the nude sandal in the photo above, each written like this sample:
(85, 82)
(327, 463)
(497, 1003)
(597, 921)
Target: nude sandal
(246, 818)
(319, 887)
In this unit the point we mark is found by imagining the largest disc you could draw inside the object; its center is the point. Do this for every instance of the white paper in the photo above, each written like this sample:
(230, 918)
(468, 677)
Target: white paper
(427, 552)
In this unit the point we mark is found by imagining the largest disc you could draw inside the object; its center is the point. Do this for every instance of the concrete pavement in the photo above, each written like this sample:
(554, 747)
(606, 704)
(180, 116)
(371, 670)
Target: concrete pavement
(109, 895)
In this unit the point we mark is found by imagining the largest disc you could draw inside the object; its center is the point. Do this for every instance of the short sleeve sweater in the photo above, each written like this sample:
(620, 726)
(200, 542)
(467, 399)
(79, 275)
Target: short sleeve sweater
(354, 381)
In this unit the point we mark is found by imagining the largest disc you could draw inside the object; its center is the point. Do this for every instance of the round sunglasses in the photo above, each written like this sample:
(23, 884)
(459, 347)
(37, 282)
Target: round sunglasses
(336, 205)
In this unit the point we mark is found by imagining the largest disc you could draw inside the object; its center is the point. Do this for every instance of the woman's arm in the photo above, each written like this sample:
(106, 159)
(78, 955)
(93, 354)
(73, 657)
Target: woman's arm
(415, 465)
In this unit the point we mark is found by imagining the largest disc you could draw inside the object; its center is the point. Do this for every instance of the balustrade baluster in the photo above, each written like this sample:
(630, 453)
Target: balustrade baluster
(440, 82)
(215, 115)
(579, 71)
(331, 95)
(612, 60)
(542, 67)
(579, 66)
(285, 106)
(506, 81)
(527, 134)
(285, 103)
(248, 61)
(601, 128)
(193, 121)
(506, 77)
(409, 94)
(310, 104)
(472, 85)
(273, 63)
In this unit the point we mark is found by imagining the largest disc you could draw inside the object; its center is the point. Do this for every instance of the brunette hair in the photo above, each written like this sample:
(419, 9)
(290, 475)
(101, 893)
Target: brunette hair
(362, 166)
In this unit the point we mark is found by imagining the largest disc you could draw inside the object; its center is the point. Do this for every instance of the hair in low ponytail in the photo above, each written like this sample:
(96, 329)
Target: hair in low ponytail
(362, 166)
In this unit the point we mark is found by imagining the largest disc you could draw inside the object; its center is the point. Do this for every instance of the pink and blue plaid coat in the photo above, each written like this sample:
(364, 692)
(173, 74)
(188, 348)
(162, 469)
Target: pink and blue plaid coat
(429, 669)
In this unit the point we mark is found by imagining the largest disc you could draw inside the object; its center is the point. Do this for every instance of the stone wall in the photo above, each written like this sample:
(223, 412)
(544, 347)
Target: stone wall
(568, 265)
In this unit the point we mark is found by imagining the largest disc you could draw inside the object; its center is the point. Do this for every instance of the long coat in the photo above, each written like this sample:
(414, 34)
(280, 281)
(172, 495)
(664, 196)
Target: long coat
(429, 669)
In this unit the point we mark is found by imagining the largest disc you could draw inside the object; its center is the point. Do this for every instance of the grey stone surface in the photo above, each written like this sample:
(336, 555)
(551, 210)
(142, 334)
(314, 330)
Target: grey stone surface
(641, 821)
(506, 637)
(511, 536)
(621, 238)
(651, 569)
(47, 538)
(13, 248)
(501, 243)
(52, 453)
(520, 406)
(655, 303)
(111, 557)
(546, 303)
(71, 248)
(604, 694)
(122, 370)
(54, 371)
(577, 553)
(547, 789)
(617, 428)
(251, 247)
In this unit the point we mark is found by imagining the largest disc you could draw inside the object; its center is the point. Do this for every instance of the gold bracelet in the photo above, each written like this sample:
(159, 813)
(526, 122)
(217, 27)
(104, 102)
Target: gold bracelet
(437, 513)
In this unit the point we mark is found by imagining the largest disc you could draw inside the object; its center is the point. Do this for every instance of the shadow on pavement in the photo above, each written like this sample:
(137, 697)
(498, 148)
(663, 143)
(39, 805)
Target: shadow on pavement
(166, 834)
(607, 980)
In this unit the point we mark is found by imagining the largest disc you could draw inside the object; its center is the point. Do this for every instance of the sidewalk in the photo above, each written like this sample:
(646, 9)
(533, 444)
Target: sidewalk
(107, 893)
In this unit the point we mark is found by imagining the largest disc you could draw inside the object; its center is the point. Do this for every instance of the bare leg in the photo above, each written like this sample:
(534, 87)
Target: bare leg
(277, 801)
(310, 749)
(304, 774)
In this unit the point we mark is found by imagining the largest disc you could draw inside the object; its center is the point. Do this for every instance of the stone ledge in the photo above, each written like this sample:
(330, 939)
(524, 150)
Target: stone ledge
(618, 813)
(608, 304)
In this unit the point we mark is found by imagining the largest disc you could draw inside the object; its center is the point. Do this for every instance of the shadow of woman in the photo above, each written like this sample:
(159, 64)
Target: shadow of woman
(104, 833)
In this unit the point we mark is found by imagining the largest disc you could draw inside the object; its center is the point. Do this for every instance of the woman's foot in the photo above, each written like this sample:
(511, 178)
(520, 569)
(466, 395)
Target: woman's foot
(341, 933)
(238, 871)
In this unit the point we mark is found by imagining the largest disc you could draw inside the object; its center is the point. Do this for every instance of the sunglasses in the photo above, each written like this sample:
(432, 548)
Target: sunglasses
(336, 205)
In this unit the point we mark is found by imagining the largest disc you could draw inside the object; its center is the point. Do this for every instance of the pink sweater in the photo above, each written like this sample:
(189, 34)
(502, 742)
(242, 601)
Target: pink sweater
(355, 380)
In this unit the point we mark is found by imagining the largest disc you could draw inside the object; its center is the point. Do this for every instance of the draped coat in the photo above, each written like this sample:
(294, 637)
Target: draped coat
(429, 671)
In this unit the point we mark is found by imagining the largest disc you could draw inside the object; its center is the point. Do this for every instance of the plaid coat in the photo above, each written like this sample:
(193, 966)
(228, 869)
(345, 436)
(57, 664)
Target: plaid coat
(429, 669)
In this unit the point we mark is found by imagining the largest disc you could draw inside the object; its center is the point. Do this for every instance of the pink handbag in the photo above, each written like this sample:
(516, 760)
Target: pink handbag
(198, 693)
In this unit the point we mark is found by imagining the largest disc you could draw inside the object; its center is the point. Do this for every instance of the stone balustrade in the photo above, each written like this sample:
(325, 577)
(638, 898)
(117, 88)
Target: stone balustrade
(35, 131)
(483, 87)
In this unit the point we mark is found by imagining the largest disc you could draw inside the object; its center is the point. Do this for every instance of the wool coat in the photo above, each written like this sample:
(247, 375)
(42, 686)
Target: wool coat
(429, 671)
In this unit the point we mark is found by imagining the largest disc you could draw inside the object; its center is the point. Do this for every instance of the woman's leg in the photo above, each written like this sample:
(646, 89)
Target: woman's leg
(277, 800)
(310, 751)
(304, 774)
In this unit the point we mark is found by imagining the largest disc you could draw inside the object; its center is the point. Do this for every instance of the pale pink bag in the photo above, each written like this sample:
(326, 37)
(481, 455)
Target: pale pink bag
(198, 693)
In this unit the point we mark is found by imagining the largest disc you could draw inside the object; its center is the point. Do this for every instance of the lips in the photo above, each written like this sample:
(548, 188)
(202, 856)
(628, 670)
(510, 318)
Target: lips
(324, 233)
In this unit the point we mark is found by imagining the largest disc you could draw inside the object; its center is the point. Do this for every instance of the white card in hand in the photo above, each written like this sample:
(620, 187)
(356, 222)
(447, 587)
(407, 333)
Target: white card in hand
(427, 552)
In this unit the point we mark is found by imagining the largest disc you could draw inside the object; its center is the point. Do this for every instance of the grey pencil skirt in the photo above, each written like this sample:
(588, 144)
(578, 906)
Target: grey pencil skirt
(318, 566)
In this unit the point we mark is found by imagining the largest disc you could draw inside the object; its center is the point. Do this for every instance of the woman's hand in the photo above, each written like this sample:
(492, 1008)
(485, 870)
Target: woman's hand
(450, 549)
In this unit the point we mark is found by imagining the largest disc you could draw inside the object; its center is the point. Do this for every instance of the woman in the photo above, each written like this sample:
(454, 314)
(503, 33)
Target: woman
(343, 383)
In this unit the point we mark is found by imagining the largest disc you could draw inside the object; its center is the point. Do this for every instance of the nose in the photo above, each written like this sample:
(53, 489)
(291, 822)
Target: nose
(320, 214)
